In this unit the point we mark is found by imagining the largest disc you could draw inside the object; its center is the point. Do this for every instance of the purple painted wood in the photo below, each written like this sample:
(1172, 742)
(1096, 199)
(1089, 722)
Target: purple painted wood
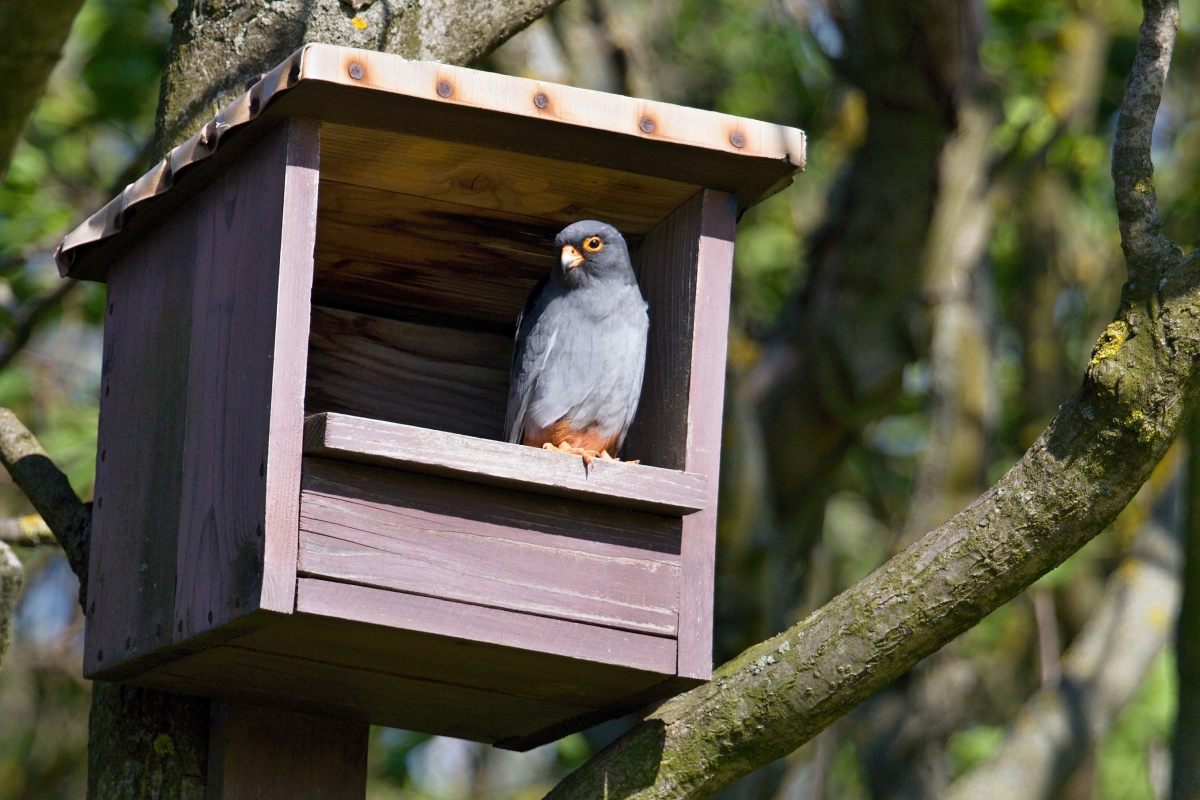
(258, 753)
(706, 399)
(236, 304)
(494, 626)
(347, 692)
(135, 518)
(371, 536)
(529, 469)
(289, 365)
(685, 271)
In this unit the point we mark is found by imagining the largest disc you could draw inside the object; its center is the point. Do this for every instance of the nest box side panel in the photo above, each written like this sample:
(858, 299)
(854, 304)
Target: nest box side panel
(685, 271)
(245, 406)
(205, 348)
(139, 453)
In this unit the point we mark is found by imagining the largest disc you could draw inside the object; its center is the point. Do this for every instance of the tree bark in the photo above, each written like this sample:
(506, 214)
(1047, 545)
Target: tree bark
(1185, 775)
(32, 35)
(1101, 672)
(217, 47)
(1138, 388)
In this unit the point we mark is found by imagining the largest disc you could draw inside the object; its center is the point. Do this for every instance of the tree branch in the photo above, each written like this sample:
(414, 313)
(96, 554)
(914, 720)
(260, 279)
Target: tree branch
(1145, 246)
(27, 317)
(1101, 672)
(27, 531)
(49, 491)
(32, 35)
(1073, 481)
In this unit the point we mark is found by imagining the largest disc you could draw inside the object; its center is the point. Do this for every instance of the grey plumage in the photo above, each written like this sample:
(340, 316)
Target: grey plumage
(580, 350)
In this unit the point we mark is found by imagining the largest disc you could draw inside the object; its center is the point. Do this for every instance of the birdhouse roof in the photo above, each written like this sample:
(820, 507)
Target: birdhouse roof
(378, 108)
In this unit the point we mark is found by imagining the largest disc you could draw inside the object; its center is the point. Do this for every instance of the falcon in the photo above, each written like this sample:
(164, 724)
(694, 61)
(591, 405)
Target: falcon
(581, 349)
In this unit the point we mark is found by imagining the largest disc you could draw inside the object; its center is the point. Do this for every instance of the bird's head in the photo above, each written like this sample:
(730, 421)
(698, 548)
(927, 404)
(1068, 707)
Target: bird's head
(591, 250)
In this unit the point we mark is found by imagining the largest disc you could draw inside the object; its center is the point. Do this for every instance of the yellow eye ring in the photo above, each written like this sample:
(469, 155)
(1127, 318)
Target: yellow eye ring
(593, 244)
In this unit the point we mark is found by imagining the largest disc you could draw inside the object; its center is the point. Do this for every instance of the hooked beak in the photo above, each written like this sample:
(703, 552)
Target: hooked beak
(570, 258)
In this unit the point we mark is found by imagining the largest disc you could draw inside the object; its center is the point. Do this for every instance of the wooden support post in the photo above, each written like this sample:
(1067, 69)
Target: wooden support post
(258, 753)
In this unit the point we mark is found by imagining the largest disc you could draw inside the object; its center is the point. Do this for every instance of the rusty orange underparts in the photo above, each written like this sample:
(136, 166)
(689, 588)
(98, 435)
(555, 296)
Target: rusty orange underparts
(561, 431)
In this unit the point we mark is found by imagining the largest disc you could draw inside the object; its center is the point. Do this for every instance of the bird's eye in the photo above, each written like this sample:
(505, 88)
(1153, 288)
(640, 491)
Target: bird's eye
(593, 244)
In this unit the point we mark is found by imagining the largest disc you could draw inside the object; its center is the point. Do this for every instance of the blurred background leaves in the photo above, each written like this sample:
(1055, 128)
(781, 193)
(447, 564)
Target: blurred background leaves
(1044, 285)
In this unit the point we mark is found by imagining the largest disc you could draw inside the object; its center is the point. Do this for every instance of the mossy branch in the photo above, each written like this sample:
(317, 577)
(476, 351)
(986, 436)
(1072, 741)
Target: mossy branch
(1073, 481)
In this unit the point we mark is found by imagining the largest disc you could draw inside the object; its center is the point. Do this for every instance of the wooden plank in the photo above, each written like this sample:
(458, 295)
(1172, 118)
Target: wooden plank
(432, 377)
(313, 687)
(442, 553)
(485, 177)
(514, 515)
(529, 469)
(258, 753)
(289, 366)
(139, 454)
(706, 400)
(236, 305)
(685, 273)
(529, 642)
(568, 106)
(379, 250)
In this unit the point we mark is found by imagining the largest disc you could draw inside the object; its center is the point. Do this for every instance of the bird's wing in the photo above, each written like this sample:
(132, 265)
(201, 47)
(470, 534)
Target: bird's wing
(528, 350)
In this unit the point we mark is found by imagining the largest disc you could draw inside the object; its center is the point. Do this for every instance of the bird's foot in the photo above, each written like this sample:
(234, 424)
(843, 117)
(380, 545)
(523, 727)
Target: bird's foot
(586, 454)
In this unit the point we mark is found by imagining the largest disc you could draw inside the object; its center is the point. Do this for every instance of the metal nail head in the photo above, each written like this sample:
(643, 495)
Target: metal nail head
(541, 101)
(356, 71)
(737, 139)
(647, 125)
(444, 89)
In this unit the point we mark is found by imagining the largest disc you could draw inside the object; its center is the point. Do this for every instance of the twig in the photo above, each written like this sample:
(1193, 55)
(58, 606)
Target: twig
(27, 318)
(1146, 248)
(49, 491)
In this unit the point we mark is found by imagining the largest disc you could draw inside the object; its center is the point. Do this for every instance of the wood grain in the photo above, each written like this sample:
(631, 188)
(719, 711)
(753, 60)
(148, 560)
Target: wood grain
(515, 515)
(488, 178)
(489, 648)
(439, 378)
(387, 253)
(289, 365)
(685, 272)
(259, 753)
(376, 540)
(234, 306)
(512, 466)
(135, 517)
(706, 399)
(329, 689)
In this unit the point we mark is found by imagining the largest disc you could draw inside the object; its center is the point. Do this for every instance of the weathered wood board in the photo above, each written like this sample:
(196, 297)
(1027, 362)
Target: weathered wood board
(433, 452)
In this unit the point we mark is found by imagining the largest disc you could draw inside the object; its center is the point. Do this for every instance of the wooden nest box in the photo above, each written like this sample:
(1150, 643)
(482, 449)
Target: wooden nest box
(303, 499)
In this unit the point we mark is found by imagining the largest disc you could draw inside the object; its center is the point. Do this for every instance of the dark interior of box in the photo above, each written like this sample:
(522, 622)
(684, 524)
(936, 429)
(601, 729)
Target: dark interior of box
(424, 255)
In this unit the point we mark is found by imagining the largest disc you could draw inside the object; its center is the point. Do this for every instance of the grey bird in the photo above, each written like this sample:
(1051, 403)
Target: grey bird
(580, 351)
